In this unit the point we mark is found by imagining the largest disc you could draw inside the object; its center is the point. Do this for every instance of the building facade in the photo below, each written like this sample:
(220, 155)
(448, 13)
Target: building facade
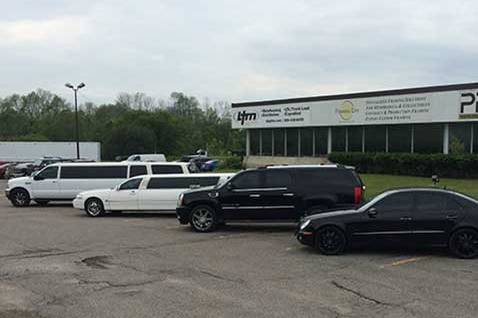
(437, 119)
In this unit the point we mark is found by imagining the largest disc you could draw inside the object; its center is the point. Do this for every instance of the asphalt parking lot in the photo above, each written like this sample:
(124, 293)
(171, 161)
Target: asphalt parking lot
(57, 262)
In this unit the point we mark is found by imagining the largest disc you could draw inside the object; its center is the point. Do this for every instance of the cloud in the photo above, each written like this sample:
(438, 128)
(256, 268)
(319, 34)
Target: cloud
(56, 32)
(235, 50)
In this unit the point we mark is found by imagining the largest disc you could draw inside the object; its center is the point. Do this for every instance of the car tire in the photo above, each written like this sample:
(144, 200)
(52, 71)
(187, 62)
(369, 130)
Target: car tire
(330, 240)
(42, 202)
(203, 219)
(20, 197)
(463, 243)
(94, 207)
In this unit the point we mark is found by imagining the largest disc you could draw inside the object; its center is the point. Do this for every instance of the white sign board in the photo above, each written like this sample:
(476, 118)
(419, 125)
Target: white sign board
(449, 106)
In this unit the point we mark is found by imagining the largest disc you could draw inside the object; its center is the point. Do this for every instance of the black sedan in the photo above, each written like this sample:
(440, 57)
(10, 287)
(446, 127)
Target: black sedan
(411, 216)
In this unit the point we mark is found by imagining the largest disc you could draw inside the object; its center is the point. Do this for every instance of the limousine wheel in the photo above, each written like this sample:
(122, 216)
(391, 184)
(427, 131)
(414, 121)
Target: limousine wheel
(203, 218)
(464, 243)
(94, 207)
(20, 197)
(330, 240)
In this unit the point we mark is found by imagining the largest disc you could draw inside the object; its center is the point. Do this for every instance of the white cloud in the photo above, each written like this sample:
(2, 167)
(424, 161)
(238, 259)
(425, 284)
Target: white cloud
(57, 31)
(236, 50)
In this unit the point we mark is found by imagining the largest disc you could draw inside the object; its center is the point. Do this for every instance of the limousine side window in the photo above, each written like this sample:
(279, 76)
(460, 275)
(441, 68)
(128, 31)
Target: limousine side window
(137, 171)
(181, 183)
(93, 172)
(49, 173)
(131, 184)
(166, 169)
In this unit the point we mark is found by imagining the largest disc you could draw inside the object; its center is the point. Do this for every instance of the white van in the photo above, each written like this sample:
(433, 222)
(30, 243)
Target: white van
(63, 181)
(145, 193)
(153, 157)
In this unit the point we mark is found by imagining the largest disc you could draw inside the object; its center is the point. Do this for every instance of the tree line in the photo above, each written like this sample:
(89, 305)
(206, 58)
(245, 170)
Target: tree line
(134, 123)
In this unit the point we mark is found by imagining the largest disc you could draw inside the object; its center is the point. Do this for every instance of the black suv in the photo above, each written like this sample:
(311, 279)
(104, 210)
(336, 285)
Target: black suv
(277, 193)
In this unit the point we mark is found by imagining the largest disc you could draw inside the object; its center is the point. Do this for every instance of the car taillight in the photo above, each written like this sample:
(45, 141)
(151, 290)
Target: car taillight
(358, 195)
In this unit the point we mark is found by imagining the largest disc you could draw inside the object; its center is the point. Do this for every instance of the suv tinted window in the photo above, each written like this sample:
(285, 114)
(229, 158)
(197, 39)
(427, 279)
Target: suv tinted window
(131, 184)
(166, 169)
(427, 201)
(248, 180)
(316, 177)
(93, 172)
(276, 179)
(49, 173)
(396, 202)
(137, 171)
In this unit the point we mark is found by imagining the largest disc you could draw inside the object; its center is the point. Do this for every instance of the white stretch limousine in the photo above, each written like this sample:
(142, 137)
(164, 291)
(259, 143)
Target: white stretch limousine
(145, 193)
(63, 181)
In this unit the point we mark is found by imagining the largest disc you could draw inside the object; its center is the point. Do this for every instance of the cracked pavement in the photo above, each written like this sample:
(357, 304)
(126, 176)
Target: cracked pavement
(56, 262)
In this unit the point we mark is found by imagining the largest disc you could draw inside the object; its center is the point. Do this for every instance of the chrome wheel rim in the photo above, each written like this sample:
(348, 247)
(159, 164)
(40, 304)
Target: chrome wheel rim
(202, 219)
(94, 208)
(20, 197)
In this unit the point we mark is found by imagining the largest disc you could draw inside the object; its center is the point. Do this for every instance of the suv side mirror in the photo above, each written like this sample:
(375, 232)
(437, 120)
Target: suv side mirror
(372, 212)
(37, 177)
(230, 186)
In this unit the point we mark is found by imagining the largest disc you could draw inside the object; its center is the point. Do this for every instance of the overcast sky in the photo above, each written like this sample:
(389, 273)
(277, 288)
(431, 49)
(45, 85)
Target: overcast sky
(234, 50)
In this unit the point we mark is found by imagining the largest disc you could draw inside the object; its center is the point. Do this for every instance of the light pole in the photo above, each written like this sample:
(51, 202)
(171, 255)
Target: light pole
(77, 128)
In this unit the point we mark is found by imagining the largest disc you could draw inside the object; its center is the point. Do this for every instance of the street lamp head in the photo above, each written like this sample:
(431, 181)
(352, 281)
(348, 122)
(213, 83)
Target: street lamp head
(69, 85)
(81, 85)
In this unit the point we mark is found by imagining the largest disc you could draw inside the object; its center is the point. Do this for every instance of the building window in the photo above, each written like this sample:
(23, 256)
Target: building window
(459, 138)
(267, 142)
(279, 142)
(399, 138)
(375, 138)
(338, 139)
(475, 138)
(355, 138)
(254, 142)
(321, 135)
(428, 138)
(306, 136)
(292, 142)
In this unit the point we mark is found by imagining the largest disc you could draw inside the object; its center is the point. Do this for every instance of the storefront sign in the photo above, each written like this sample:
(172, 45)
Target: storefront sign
(448, 106)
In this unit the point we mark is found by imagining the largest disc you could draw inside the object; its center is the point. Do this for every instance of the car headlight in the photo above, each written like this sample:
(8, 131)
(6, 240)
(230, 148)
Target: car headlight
(180, 199)
(304, 225)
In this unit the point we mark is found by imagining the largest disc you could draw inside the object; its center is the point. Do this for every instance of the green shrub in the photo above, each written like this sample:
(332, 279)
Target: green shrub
(230, 162)
(424, 165)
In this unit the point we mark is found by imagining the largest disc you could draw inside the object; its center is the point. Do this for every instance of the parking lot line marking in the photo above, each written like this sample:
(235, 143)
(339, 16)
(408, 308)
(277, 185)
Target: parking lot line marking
(406, 261)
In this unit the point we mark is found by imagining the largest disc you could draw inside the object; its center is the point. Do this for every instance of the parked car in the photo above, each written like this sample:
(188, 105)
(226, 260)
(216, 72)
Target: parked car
(3, 168)
(414, 216)
(278, 193)
(145, 193)
(202, 163)
(63, 181)
(27, 168)
(156, 157)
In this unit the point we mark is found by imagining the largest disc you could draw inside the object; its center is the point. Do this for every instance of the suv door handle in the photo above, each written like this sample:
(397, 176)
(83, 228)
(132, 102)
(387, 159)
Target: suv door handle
(287, 194)
(132, 193)
(405, 218)
(451, 217)
(254, 195)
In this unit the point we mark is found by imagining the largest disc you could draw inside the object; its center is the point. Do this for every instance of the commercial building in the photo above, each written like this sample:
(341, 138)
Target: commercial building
(435, 119)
